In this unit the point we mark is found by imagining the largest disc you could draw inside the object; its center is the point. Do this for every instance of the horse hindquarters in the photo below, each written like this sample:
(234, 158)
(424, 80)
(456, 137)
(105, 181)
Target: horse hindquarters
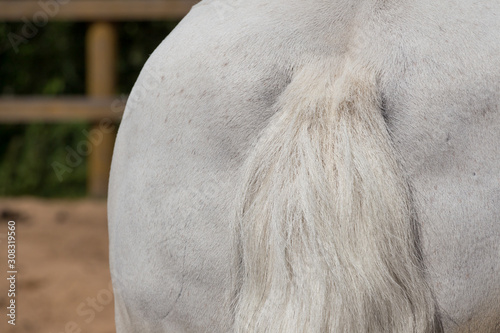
(326, 234)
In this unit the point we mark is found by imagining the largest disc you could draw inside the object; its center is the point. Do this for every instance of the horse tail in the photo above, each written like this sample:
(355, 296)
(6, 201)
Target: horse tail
(326, 234)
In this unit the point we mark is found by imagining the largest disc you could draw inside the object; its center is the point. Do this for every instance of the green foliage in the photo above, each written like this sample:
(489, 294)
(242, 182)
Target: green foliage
(28, 155)
(52, 62)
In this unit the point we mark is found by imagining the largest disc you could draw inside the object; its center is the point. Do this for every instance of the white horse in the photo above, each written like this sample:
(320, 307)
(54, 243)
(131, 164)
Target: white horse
(313, 166)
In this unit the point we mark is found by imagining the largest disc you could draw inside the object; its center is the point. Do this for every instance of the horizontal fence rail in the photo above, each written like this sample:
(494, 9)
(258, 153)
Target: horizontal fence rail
(59, 109)
(95, 10)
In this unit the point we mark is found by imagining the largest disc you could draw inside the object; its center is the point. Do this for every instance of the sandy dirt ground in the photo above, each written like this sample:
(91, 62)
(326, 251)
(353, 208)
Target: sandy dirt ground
(62, 281)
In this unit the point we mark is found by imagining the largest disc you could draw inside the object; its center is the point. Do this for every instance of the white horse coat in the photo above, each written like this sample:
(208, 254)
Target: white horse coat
(293, 145)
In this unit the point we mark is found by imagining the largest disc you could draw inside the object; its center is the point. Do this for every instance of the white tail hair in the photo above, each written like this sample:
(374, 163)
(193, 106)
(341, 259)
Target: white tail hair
(326, 235)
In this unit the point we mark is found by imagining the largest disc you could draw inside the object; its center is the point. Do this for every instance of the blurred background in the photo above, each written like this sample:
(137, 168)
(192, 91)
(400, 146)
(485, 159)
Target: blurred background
(66, 68)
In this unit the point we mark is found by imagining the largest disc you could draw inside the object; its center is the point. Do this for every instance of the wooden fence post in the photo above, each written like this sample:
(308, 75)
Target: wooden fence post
(101, 51)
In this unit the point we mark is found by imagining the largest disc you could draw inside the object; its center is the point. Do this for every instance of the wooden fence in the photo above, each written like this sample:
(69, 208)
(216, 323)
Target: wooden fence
(101, 52)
